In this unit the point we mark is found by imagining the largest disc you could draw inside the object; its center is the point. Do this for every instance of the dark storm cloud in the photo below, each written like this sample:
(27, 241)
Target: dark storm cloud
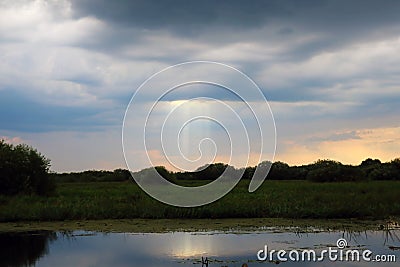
(340, 19)
(325, 25)
(180, 15)
(183, 14)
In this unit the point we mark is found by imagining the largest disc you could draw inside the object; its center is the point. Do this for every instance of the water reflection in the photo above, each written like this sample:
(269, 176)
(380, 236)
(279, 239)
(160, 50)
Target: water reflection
(83, 249)
(24, 249)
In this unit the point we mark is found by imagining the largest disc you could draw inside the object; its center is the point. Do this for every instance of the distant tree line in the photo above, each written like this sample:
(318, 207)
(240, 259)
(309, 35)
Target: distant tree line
(92, 176)
(319, 171)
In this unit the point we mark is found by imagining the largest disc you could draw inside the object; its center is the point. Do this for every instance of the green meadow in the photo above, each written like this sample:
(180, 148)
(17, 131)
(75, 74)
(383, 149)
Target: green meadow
(274, 199)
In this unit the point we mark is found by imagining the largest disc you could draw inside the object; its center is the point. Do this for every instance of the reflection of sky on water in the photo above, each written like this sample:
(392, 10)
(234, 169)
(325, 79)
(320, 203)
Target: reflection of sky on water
(183, 249)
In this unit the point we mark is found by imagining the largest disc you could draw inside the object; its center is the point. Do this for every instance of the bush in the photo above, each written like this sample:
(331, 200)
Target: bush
(282, 171)
(24, 170)
(386, 171)
(333, 171)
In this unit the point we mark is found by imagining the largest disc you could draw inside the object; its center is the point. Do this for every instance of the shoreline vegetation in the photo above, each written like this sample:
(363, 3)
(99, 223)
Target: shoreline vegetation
(238, 226)
(325, 189)
(274, 199)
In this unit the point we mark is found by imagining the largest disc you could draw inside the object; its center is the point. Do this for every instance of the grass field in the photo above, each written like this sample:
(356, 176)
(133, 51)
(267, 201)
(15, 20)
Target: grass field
(275, 199)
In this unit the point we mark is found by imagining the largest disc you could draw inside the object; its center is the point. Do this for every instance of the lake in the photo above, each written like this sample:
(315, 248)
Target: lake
(83, 248)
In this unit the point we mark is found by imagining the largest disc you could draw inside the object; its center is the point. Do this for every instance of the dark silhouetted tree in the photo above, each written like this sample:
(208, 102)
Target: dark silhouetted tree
(167, 175)
(24, 170)
(386, 171)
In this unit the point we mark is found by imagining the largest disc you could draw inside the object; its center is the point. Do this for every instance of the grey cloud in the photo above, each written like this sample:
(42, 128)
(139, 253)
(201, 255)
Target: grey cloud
(337, 137)
(128, 27)
(20, 113)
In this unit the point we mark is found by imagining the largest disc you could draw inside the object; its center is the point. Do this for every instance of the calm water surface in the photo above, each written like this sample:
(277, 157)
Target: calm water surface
(83, 249)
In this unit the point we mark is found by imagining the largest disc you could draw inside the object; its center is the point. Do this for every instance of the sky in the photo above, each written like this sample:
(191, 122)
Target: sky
(330, 71)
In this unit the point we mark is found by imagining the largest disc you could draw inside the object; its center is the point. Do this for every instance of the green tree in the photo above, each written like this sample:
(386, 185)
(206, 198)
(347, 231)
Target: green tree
(370, 167)
(169, 176)
(24, 170)
(279, 171)
(210, 171)
(248, 172)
